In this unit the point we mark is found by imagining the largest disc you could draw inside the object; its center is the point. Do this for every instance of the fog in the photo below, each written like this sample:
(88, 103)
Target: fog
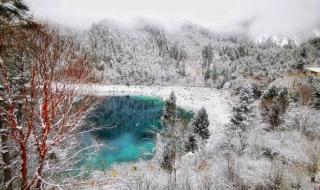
(294, 18)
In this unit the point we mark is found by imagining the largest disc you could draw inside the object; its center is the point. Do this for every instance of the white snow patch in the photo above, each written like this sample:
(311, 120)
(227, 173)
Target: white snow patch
(313, 69)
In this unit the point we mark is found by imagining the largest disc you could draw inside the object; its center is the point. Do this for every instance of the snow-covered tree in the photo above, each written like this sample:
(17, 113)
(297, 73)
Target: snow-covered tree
(191, 144)
(241, 112)
(207, 54)
(182, 69)
(316, 99)
(13, 10)
(201, 123)
(169, 120)
(38, 113)
(14, 27)
(240, 123)
(170, 111)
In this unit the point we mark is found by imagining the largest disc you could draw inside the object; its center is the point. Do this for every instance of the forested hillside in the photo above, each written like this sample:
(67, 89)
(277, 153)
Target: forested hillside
(148, 53)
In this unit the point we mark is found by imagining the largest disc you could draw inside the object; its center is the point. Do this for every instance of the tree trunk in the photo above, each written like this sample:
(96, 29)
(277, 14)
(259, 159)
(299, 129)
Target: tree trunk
(40, 170)
(7, 173)
(24, 169)
(39, 182)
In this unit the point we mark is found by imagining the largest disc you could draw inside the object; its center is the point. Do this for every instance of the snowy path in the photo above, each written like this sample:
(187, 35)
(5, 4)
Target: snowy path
(216, 102)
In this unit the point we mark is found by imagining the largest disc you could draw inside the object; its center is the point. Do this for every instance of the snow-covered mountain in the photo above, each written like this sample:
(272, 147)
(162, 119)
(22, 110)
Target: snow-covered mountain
(149, 53)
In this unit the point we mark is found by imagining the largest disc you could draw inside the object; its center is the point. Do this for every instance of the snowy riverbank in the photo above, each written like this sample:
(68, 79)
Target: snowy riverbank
(216, 102)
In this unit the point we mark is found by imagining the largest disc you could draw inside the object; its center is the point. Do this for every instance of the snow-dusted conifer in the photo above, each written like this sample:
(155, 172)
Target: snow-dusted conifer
(169, 121)
(167, 159)
(13, 10)
(169, 112)
(191, 144)
(242, 110)
(241, 119)
(316, 99)
(201, 124)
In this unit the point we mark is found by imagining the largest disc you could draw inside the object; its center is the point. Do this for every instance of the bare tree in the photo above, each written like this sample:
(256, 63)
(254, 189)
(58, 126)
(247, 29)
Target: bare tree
(12, 38)
(40, 105)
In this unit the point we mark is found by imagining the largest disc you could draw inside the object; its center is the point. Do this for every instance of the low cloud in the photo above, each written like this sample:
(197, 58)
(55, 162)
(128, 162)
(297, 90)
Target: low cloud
(293, 18)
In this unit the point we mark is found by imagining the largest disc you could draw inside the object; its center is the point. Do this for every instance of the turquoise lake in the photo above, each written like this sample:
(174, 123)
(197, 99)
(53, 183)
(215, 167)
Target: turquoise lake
(130, 125)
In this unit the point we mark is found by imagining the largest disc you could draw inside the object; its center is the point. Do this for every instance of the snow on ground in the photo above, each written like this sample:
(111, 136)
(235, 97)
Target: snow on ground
(314, 69)
(193, 98)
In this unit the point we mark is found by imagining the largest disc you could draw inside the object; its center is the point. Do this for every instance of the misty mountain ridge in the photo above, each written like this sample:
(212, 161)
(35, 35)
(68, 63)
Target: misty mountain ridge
(240, 29)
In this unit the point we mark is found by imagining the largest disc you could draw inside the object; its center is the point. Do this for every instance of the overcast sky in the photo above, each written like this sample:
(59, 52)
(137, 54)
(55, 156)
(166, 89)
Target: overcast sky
(281, 17)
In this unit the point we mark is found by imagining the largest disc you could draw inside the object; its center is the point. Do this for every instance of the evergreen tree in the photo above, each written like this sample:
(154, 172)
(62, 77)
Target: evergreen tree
(256, 91)
(168, 159)
(191, 144)
(182, 69)
(207, 55)
(214, 74)
(315, 42)
(201, 124)
(207, 74)
(11, 10)
(316, 100)
(315, 83)
(243, 109)
(240, 121)
(169, 112)
(169, 121)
